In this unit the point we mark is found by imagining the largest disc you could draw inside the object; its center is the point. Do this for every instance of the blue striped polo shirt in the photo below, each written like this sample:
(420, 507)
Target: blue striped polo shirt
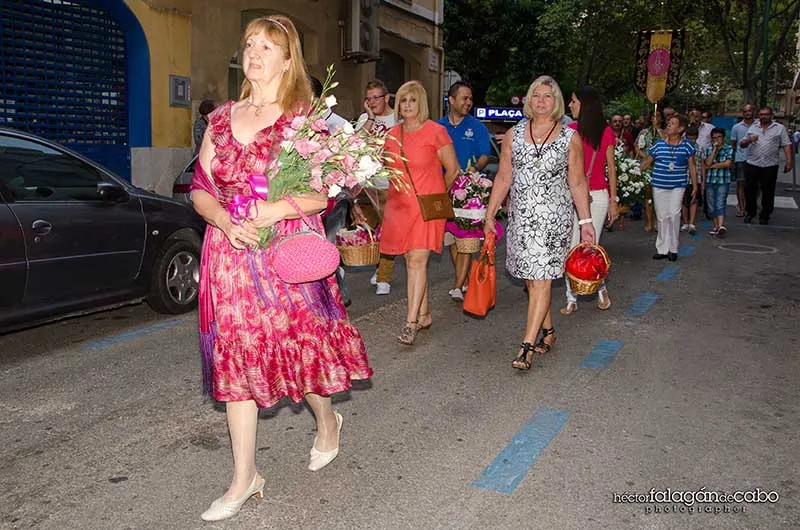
(671, 164)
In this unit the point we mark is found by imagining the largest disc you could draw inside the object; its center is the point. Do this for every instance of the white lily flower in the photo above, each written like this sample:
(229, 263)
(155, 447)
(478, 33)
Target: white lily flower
(348, 128)
(330, 101)
(334, 190)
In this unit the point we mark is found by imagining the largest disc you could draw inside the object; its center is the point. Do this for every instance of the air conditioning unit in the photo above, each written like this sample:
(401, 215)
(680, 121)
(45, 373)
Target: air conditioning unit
(362, 36)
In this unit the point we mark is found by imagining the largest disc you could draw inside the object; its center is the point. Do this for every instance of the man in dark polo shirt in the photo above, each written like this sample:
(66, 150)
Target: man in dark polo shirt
(764, 142)
(473, 147)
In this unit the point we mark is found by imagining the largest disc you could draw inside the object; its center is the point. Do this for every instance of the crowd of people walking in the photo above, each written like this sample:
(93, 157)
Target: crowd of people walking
(264, 339)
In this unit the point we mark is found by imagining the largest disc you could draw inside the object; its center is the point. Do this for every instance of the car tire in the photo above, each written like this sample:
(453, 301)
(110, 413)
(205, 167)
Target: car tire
(175, 281)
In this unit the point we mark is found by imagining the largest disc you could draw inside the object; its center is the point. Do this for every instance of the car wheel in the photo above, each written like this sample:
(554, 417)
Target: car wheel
(176, 278)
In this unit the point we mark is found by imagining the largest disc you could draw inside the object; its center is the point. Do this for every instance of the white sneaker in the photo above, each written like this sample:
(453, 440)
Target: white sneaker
(374, 279)
(456, 294)
(684, 228)
(383, 288)
(692, 230)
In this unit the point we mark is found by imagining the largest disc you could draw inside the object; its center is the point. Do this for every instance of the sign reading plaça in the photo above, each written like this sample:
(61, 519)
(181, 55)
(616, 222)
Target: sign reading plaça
(498, 113)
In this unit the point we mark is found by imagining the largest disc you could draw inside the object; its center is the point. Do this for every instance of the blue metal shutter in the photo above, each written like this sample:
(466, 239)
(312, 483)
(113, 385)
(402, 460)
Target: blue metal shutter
(62, 66)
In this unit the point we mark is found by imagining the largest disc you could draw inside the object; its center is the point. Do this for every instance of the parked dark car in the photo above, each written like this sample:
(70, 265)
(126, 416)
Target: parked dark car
(76, 238)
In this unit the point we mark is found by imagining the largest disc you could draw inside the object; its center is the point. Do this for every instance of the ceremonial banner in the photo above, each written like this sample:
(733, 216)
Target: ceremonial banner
(659, 56)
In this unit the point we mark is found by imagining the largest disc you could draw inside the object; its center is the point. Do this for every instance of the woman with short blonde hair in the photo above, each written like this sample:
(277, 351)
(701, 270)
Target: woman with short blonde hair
(541, 165)
(427, 148)
(558, 109)
(415, 89)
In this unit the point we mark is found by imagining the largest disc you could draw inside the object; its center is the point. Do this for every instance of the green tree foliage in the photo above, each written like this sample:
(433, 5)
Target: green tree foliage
(502, 45)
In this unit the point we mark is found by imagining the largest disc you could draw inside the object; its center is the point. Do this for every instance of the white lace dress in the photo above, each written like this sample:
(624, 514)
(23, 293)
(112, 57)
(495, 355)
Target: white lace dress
(541, 210)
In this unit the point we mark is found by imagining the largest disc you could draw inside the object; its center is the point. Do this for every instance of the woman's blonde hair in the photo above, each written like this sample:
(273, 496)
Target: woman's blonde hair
(413, 88)
(558, 111)
(294, 90)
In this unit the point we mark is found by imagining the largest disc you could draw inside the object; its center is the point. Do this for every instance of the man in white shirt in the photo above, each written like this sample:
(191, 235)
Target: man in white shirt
(738, 134)
(764, 142)
(704, 128)
(379, 118)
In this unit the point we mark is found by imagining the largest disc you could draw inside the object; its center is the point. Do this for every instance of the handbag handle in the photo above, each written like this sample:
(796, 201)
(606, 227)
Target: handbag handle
(403, 157)
(300, 212)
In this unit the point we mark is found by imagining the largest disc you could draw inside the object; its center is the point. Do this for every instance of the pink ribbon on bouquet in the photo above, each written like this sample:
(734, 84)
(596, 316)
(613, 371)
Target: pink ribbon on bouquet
(242, 207)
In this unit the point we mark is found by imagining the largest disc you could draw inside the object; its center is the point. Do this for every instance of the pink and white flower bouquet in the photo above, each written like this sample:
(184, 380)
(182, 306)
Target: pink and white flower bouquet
(470, 195)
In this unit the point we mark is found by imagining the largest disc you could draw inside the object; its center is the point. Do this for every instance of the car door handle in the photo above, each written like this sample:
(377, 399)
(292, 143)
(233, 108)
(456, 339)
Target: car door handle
(41, 227)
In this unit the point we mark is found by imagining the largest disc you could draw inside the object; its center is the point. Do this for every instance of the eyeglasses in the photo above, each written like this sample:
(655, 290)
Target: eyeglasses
(375, 98)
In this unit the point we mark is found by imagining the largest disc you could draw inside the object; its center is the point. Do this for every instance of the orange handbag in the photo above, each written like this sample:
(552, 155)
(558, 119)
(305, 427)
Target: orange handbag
(482, 286)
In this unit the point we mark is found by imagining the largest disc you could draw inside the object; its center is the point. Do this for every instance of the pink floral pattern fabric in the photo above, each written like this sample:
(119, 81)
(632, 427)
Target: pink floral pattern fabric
(269, 339)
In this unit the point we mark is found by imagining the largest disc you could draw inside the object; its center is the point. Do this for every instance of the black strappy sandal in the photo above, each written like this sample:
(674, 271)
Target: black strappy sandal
(542, 347)
(524, 357)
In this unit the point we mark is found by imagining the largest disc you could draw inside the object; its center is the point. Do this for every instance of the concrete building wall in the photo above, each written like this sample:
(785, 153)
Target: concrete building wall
(168, 30)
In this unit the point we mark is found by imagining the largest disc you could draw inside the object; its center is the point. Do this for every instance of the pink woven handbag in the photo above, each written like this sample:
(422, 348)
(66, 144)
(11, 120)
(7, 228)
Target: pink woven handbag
(304, 256)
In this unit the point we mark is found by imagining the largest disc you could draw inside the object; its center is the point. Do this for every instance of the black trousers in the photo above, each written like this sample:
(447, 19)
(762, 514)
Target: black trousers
(766, 179)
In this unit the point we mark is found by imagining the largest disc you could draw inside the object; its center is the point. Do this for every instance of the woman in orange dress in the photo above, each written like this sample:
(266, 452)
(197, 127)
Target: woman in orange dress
(427, 148)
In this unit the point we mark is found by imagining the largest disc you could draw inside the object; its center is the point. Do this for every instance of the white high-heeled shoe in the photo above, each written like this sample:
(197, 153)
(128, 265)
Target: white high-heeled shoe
(319, 459)
(223, 508)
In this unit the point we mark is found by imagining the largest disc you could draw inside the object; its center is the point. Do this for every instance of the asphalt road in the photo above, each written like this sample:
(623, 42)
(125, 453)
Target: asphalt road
(694, 388)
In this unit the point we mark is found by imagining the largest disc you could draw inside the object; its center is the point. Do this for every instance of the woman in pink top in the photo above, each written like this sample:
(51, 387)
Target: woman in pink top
(598, 152)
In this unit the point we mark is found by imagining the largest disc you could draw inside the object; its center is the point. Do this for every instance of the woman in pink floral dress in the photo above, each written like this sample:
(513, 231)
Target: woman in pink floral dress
(264, 339)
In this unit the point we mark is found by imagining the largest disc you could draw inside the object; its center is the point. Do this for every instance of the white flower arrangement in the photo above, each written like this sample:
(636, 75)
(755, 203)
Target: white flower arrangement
(631, 181)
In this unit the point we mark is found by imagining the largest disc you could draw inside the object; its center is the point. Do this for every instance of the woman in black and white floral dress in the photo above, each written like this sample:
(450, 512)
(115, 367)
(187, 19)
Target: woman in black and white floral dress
(541, 163)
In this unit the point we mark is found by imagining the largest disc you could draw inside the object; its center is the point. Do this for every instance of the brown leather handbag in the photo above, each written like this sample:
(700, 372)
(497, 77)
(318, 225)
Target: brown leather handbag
(431, 205)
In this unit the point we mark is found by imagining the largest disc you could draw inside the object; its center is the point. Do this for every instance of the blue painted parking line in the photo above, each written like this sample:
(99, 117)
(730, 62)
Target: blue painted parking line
(135, 334)
(669, 273)
(642, 304)
(515, 460)
(685, 251)
(696, 237)
(602, 354)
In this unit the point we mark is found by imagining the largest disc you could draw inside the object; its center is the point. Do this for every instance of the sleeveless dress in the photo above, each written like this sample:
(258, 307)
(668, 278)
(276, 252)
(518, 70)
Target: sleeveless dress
(403, 227)
(264, 339)
(540, 212)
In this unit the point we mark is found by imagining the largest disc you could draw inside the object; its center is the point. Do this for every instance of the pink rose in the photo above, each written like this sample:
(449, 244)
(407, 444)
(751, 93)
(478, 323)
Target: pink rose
(289, 133)
(459, 194)
(485, 183)
(336, 177)
(298, 122)
(321, 156)
(351, 181)
(349, 163)
(319, 125)
(306, 147)
(474, 204)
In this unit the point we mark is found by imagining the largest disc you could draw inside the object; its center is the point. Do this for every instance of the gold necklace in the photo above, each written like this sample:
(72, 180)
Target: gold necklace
(259, 107)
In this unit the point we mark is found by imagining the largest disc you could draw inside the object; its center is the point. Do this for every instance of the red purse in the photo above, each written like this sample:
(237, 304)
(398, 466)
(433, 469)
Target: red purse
(481, 293)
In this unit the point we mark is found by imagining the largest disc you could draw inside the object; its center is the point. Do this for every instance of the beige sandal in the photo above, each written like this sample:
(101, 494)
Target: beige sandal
(408, 333)
(570, 308)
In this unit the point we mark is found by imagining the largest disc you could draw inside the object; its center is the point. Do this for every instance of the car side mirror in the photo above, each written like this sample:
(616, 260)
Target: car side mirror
(111, 191)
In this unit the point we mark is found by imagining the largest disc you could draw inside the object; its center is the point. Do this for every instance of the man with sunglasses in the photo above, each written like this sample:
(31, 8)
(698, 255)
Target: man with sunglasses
(379, 118)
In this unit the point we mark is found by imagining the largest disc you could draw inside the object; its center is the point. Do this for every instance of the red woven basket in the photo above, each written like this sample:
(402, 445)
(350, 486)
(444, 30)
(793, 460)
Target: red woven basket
(586, 268)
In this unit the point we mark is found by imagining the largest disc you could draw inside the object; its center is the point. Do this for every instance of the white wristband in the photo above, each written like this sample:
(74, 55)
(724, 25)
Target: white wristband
(585, 221)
